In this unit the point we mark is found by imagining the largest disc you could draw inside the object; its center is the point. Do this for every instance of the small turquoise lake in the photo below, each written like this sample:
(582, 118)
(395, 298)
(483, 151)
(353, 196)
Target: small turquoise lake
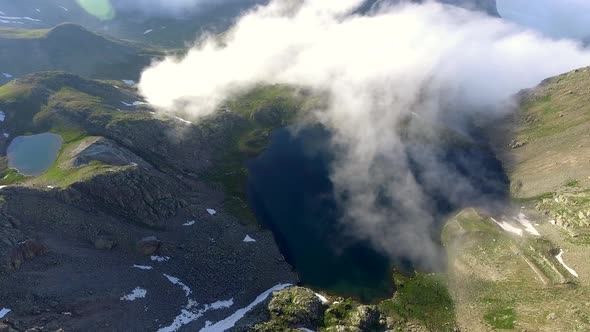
(33, 155)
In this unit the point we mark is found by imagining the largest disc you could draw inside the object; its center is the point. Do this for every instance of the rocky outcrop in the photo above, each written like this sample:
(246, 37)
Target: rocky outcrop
(105, 242)
(24, 251)
(133, 194)
(105, 151)
(148, 245)
(10, 234)
(297, 307)
(347, 316)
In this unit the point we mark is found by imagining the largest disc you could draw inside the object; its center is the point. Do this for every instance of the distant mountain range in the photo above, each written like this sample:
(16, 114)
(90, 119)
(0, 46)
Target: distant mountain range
(162, 30)
(71, 48)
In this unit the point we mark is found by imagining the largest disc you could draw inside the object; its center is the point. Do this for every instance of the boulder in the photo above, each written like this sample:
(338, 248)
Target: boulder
(148, 245)
(105, 242)
(366, 318)
(24, 251)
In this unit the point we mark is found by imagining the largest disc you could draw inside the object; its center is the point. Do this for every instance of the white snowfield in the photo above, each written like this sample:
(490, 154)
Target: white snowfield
(137, 293)
(230, 321)
(189, 314)
(4, 312)
(528, 226)
(190, 311)
(249, 239)
(508, 227)
(512, 226)
(569, 269)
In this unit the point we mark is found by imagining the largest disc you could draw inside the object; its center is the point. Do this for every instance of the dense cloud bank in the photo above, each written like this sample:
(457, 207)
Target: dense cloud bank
(431, 62)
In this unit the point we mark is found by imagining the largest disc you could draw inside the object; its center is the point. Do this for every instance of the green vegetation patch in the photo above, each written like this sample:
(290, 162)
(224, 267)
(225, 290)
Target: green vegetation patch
(424, 298)
(502, 319)
(14, 33)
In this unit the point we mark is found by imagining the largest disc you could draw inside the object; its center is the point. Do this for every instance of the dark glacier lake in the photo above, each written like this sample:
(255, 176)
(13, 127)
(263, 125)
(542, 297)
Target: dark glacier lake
(33, 155)
(291, 193)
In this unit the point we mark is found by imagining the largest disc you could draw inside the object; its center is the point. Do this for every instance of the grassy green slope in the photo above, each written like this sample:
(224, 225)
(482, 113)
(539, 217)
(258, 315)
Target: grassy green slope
(64, 104)
(552, 133)
(501, 281)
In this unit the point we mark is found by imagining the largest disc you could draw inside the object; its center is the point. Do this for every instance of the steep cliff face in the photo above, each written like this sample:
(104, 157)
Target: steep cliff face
(486, 6)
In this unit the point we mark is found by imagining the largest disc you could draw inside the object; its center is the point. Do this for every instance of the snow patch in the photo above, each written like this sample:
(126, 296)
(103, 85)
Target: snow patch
(322, 298)
(128, 82)
(305, 329)
(148, 31)
(220, 304)
(249, 239)
(508, 227)
(37, 10)
(2, 116)
(569, 269)
(160, 259)
(230, 321)
(137, 293)
(212, 212)
(6, 135)
(189, 223)
(7, 75)
(183, 120)
(64, 8)
(135, 103)
(143, 267)
(19, 18)
(4, 312)
(522, 219)
(188, 314)
(176, 281)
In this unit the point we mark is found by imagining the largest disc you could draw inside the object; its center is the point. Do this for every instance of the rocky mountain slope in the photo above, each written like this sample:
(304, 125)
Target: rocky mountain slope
(126, 214)
(140, 210)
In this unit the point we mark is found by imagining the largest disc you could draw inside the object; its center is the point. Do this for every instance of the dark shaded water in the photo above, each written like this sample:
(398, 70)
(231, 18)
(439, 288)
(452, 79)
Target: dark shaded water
(33, 155)
(291, 192)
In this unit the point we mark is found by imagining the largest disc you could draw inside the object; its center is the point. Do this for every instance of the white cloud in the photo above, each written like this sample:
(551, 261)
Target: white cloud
(436, 61)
